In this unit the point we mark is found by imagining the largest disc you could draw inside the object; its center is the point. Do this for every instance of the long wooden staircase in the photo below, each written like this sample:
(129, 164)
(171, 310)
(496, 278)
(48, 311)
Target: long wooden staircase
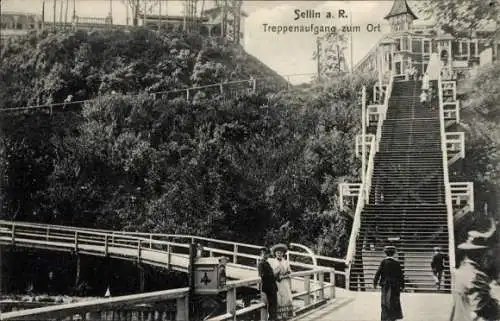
(406, 204)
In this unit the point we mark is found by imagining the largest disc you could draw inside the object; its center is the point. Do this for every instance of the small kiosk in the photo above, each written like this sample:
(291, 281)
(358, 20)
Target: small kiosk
(209, 275)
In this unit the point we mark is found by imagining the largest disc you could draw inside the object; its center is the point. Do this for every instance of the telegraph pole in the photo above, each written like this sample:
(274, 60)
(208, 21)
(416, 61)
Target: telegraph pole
(61, 12)
(318, 64)
(159, 16)
(350, 42)
(66, 14)
(55, 15)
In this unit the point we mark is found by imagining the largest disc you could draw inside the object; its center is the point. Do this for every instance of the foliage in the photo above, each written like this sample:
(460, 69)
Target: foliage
(331, 55)
(480, 115)
(210, 167)
(455, 16)
(46, 68)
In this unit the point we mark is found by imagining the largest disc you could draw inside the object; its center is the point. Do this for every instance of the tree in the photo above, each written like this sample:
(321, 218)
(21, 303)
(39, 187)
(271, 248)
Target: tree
(331, 54)
(135, 7)
(480, 115)
(456, 16)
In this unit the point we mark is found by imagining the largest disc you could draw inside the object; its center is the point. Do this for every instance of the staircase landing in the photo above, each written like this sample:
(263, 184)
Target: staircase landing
(365, 306)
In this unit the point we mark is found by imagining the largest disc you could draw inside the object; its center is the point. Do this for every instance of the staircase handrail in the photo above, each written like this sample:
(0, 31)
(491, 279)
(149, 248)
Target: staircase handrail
(375, 147)
(366, 185)
(448, 200)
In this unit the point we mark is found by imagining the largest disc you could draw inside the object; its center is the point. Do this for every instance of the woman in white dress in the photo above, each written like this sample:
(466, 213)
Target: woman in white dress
(282, 270)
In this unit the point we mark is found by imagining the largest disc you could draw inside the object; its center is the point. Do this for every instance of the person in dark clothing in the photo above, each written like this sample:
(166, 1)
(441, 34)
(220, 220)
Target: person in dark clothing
(269, 286)
(391, 279)
(437, 266)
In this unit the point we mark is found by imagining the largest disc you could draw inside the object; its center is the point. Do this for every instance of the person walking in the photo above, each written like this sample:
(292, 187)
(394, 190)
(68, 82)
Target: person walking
(391, 279)
(425, 81)
(423, 98)
(282, 272)
(437, 266)
(269, 286)
(473, 295)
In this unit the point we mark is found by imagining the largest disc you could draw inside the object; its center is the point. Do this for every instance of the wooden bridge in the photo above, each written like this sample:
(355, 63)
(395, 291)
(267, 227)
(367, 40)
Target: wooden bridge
(313, 286)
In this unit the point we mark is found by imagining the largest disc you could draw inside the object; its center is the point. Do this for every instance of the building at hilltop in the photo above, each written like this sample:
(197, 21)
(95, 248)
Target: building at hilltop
(15, 24)
(410, 46)
(212, 22)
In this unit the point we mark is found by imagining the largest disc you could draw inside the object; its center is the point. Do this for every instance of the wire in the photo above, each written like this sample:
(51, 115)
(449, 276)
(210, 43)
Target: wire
(64, 104)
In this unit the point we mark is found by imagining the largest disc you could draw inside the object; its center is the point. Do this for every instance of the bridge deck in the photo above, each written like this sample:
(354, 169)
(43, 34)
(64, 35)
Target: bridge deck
(365, 306)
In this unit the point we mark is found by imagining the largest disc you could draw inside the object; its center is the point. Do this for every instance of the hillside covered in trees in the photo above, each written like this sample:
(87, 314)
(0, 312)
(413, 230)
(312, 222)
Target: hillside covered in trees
(261, 167)
(480, 116)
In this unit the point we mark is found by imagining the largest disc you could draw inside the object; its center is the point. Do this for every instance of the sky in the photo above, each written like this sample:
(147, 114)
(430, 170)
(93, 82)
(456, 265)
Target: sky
(288, 54)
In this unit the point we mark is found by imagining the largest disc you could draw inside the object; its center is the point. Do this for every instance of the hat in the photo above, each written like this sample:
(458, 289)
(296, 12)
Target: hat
(478, 240)
(389, 250)
(437, 248)
(279, 247)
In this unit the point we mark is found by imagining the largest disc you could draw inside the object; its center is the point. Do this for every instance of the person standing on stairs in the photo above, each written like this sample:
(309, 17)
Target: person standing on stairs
(437, 266)
(425, 82)
(423, 98)
(391, 279)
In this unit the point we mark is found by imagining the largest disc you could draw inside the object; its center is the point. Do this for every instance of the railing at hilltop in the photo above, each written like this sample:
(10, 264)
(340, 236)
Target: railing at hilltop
(228, 90)
(448, 196)
(363, 197)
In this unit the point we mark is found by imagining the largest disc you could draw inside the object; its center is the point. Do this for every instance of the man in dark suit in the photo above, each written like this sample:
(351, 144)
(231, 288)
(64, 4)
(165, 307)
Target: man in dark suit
(269, 286)
(437, 266)
(391, 277)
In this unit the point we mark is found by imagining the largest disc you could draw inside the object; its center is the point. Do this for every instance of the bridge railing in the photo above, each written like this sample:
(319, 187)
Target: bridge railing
(173, 304)
(155, 305)
(158, 253)
(313, 295)
(101, 241)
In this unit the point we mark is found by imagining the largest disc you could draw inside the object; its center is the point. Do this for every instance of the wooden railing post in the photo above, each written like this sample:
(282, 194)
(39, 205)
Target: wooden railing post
(150, 241)
(169, 256)
(235, 254)
(47, 236)
(263, 313)
(231, 303)
(221, 87)
(182, 313)
(13, 234)
(321, 285)
(106, 245)
(187, 94)
(307, 289)
(76, 242)
(332, 282)
(139, 249)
